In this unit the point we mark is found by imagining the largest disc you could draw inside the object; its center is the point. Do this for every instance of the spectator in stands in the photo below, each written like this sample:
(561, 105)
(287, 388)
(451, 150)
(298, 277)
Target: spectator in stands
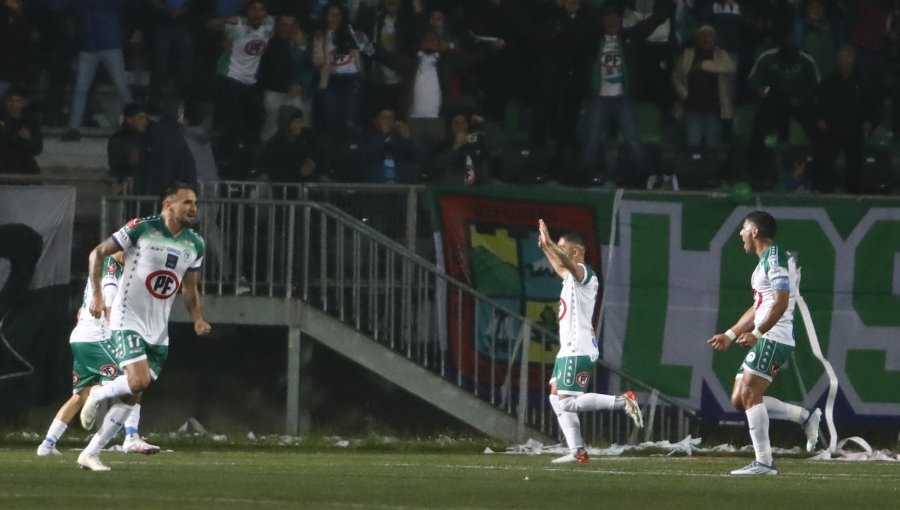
(336, 54)
(392, 32)
(100, 40)
(654, 53)
(170, 156)
(172, 49)
(564, 41)
(288, 156)
(785, 80)
(767, 24)
(286, 72)
(54, 50)
(434, 86)
(702, 81)
(20, 135)
(427, 84)
(796, 180)
(850, 107)
(466, 156)
(728, 20)
(240, 107)
(15, 45)
(609, 98)
(388, 153)
(128, 149)
(818, 36)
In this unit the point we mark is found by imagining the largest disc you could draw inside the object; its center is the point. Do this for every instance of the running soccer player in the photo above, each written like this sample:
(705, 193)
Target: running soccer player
(578, 345)
(162, 255)
(767, 329)
(93, 361)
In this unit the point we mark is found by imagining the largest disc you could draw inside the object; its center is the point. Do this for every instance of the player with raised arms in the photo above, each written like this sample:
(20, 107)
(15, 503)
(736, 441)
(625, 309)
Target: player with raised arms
(93, 361)
(163, 255)
(767, 329)
(577, 345)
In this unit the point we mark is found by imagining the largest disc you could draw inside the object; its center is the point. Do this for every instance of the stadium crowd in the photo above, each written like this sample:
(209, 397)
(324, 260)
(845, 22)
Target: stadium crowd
(463, 92)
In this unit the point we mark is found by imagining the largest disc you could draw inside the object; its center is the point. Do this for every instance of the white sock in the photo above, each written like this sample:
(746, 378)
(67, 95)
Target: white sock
(112, 423)
(758, 420)
(568, 423)
(131, 423)
(779, 410)
(589, 402)
(117, 388)
(56, 430)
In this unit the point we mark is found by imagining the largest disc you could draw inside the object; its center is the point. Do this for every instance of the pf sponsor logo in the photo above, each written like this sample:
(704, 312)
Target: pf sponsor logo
(110, 371)
(562, 309)
(255, 47)
(75, 379)
(163, 284)
(582, 379)
(751, 357)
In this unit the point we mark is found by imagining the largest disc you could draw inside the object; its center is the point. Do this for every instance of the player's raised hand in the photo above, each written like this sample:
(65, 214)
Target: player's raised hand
(202, 328)
(719, 342)
(543, 234)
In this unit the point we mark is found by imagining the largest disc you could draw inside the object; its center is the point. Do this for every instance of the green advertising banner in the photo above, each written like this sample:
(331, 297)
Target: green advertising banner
(676, 273)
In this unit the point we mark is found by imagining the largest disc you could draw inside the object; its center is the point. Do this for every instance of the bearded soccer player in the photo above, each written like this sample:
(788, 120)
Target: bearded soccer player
(93, 361)
(767, 329)
(577, 345)
(162, 255)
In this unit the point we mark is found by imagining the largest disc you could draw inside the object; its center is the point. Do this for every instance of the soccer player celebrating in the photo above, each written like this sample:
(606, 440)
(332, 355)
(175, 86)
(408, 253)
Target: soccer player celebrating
(163, 254)
(93, 361)
(766, 328)
(578, 345)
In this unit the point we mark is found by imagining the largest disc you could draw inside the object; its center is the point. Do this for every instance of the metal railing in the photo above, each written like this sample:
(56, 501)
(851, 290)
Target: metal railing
(366, 280)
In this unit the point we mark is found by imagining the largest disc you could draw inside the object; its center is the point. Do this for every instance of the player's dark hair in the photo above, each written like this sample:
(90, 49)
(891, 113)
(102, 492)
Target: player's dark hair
(764, 222)
(174, 188)
(574, 238)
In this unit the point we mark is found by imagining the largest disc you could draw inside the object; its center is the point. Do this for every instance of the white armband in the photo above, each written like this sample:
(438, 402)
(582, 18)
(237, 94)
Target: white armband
(731, 335)
(757, 333)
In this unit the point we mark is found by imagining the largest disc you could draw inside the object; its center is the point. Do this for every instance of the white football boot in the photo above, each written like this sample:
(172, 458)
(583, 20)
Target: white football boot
(138, 445)
(632, 409)
(756, 468)
(91, 463)
(811, 428)
(47, 451)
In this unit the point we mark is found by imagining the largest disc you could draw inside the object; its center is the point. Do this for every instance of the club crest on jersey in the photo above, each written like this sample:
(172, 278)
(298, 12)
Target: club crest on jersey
(75, 378)
(582, 379)
(162, 284)
(110, 371)
(171, 260)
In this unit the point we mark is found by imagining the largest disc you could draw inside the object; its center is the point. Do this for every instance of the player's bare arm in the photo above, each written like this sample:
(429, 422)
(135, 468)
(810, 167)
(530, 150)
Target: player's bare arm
(192, 301)
(721, 341)
(748, 339)
(95, 271)
(560, 260)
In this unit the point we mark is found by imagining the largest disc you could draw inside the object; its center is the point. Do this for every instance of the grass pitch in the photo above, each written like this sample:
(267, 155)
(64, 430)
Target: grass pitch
(224, 478)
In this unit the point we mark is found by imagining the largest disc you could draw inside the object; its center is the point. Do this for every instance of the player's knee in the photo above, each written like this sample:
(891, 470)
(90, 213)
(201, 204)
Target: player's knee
(137, 383)
(748, 398)
(568, 404)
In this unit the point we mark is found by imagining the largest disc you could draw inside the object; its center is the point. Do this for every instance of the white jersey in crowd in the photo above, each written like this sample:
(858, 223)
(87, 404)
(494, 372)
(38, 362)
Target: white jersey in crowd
(247, 46)
(775, 271)
(90, 328)
(576, 311)
(155, 263)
